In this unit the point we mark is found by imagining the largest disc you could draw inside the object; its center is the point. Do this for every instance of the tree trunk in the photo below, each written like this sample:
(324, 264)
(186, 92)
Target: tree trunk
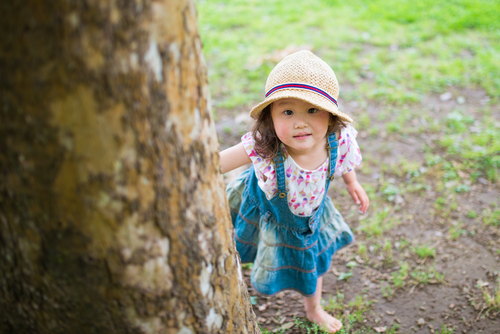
(113, 216)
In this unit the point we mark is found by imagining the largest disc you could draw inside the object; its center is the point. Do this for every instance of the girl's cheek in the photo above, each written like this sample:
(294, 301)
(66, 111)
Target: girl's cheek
(281, 130)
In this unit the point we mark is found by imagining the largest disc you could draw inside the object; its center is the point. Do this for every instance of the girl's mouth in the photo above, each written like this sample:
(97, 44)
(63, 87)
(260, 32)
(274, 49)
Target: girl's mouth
(302, 136)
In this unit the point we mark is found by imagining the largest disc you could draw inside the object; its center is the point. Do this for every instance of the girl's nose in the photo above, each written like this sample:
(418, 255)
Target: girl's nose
(300, 124)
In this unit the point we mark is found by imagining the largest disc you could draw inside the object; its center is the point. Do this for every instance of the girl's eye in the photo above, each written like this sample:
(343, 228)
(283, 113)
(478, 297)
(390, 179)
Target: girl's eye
(288, 112)
(312, 111)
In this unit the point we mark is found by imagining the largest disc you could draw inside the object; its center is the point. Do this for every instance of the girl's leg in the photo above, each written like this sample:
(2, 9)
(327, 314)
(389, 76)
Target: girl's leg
(316, 314)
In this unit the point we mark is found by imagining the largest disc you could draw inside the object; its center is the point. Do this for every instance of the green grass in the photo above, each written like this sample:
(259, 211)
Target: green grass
(377, 223)
(398, 278)
(394, 329)
(456, 231)
(390, 191)
(362, 251)
(356, 308)
(246, 266)
(492, 299)
(435, 44)
(335, 303)
(445, 205)
(425, 251)
(387, 292)
(472, 214)
(388, 251)
(446, 330)
(476, 152)
(491, 217)
(425, 277)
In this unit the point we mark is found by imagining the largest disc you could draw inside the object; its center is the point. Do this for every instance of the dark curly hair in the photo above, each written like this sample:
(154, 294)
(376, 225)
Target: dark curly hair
(267, 142)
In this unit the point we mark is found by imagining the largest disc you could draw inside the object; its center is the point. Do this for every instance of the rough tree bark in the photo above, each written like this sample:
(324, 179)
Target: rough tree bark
(113, 217)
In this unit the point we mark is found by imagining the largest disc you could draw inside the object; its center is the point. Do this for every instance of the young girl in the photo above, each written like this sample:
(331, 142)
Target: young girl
(284, 221)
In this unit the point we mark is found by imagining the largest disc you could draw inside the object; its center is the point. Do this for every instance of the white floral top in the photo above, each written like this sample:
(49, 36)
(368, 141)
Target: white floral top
(306, 188)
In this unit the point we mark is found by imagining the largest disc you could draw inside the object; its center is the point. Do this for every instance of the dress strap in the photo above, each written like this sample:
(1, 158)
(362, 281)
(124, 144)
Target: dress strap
(332, 148)
(279, 168)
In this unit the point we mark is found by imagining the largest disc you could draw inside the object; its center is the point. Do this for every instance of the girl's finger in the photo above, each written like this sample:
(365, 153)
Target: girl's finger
(364, 202)
(355, 197)
(362, 208)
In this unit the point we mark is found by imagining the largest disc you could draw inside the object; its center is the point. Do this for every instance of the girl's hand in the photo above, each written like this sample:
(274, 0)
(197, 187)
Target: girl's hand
(358, 194)
(356, 191)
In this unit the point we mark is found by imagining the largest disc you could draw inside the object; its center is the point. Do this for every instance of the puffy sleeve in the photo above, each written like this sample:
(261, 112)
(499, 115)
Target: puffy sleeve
(349, 155)
(264, 168)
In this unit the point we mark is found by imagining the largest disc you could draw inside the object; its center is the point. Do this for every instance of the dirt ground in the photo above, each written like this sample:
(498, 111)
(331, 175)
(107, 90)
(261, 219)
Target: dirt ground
(470, 262)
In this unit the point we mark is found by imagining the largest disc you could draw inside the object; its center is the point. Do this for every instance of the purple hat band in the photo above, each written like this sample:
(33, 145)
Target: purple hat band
(302, 86)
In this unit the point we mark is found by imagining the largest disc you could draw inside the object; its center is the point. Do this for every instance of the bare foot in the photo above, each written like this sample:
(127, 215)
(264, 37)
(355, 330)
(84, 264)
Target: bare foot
(325, 321)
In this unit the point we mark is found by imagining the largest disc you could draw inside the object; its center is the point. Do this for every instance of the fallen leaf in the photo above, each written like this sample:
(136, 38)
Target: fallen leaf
(390, 312)
(480, 283)
(361, 261)
(380, 329)
(288, 325)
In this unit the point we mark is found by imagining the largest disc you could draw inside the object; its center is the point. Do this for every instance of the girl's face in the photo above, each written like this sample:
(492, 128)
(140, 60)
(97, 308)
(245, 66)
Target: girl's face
(300, 125)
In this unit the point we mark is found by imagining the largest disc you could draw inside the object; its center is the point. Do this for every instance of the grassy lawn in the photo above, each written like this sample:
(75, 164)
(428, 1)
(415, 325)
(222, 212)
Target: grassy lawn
(425, 72)
(410, 48)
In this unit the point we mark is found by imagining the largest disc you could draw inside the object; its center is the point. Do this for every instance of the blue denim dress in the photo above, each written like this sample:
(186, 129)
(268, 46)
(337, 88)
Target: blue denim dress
(289, 252)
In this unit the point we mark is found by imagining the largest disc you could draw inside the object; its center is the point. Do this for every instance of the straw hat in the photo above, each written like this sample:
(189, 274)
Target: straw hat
(303, 76)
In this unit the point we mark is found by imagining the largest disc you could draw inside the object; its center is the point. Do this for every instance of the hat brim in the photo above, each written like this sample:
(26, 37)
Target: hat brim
(315, 99)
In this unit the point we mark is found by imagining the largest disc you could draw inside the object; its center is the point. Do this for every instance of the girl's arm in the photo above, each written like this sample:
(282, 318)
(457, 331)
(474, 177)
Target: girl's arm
(356, 191)
(233, 157)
